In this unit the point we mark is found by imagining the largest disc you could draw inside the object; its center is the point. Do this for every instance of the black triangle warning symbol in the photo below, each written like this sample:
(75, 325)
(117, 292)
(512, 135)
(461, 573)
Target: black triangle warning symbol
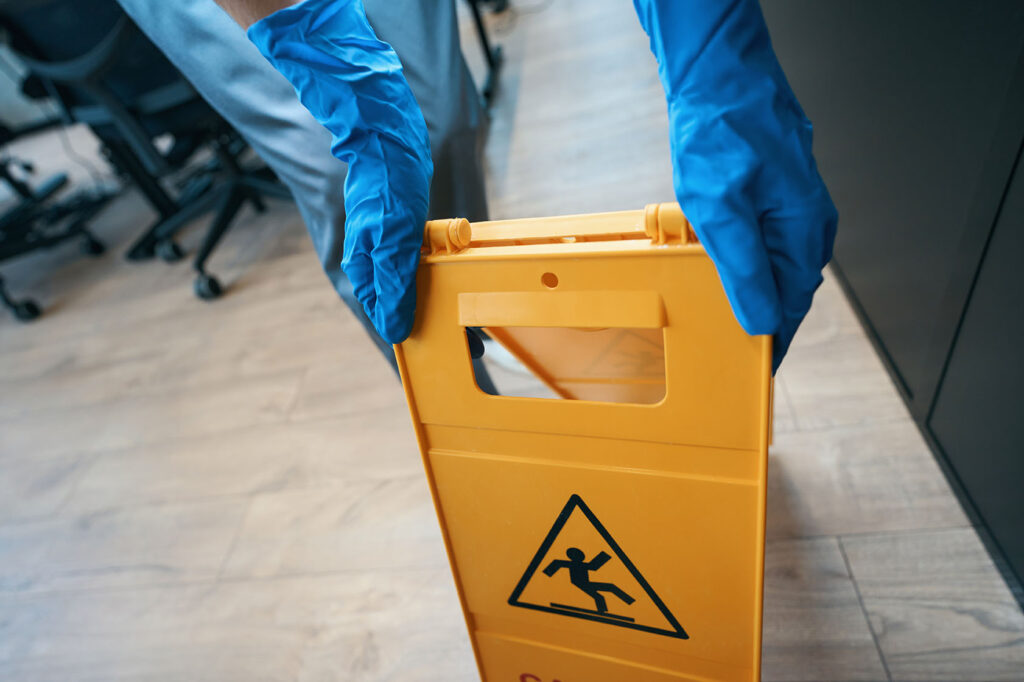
(573, 574)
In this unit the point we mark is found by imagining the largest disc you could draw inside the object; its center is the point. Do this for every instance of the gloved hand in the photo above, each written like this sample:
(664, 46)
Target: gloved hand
(352, 83)
(741, 149)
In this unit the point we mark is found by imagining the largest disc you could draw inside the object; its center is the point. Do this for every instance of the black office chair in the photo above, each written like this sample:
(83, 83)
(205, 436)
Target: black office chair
(39, 217)
(90, 58)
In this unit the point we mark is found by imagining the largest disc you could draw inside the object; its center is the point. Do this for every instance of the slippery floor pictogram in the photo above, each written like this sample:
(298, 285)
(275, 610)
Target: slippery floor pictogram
(579, 575)
(582, 590)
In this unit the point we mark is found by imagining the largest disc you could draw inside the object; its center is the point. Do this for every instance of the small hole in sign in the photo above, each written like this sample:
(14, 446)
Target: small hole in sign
(549, 279)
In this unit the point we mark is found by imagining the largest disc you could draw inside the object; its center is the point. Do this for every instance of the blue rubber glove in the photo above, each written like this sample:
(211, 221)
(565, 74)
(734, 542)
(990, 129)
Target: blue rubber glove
(741, 150)
(352, 83)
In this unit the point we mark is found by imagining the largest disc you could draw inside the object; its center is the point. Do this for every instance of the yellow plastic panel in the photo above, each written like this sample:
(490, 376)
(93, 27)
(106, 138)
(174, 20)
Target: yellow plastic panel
(707, 354)
(506, 658)
(692, 587)
(591, 540)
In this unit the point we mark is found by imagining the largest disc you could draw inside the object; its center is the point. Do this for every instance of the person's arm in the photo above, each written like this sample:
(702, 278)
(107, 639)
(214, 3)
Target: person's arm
(598, 561)
(248, 12)
(352, 82)
(555, 566)
(741, 150)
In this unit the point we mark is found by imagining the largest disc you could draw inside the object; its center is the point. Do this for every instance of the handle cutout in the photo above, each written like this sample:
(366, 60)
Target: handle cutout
(611, 365)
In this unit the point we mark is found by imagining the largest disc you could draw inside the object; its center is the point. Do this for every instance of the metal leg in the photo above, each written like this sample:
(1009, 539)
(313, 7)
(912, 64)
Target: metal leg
(494, 56)
(165, 229)
(230, 204)
(4, 297)
(147, 183)
(25, 310)
(206, 286)
(144, 247)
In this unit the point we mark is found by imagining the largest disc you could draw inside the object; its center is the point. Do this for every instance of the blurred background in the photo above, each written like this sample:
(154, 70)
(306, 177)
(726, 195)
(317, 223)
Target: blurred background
(207, 469)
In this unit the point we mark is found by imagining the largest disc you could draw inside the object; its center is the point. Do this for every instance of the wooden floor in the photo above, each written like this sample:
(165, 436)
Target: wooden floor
(231, 491)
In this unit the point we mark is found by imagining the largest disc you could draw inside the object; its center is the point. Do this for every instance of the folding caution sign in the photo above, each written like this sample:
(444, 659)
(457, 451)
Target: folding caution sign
(603, 508)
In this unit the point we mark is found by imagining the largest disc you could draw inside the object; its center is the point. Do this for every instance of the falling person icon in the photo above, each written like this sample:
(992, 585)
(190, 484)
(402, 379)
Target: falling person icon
(579, 576)
(648, 613)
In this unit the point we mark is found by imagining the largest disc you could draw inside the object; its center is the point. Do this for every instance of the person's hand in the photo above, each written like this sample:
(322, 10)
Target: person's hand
(741, 150)
(352, 83)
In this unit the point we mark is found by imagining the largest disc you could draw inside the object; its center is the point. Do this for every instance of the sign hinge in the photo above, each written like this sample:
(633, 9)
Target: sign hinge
(666, 224)
(447, 236)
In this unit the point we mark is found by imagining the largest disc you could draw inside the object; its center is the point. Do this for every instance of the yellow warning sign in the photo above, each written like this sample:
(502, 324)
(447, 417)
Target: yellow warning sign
(580, 568)
(615, 532)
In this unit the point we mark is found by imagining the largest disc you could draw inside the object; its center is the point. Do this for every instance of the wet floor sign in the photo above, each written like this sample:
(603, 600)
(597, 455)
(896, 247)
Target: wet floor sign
(603, 509)
(588, 599)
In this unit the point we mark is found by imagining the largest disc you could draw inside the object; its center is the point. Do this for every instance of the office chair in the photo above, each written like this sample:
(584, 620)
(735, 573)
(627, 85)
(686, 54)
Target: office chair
(102, 71)
(38, 218)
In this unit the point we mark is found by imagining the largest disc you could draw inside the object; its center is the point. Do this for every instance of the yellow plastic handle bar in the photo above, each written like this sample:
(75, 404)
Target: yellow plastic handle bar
(620, 309)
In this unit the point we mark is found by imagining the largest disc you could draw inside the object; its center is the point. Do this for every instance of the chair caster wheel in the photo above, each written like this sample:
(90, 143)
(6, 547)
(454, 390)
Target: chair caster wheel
(92, 246)
(169, 251)
(207, 287)
(26, 311)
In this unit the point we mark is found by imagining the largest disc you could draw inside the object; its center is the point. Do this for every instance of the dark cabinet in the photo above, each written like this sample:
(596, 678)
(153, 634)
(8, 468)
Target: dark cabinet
(978, 418)
(918, 110)
(912, 105)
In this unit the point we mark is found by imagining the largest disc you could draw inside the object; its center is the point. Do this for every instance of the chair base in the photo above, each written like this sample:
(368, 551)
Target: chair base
(36, 223)
(223, 186)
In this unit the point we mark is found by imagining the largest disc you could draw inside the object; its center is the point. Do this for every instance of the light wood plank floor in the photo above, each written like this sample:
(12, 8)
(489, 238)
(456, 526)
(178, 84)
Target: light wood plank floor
(231, 491)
